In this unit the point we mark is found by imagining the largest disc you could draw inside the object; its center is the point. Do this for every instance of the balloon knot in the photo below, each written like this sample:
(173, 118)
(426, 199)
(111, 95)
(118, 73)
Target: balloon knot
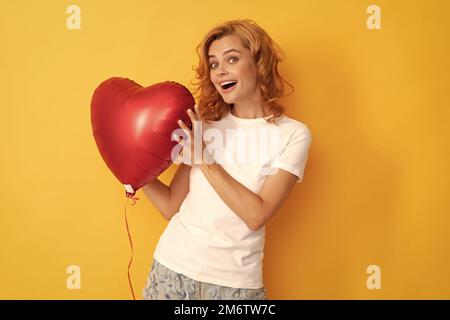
(132, 197)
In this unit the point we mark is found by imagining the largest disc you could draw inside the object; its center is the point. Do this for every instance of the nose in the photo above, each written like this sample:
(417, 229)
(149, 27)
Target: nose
(221, 71)
(220, 75)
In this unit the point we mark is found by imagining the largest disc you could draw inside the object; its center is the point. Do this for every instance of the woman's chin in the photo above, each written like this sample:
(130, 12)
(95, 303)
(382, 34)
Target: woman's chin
(228, 100)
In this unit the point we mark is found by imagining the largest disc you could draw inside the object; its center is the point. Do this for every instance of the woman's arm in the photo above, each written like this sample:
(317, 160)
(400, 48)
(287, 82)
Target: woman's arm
(168, 199)
(254, 209)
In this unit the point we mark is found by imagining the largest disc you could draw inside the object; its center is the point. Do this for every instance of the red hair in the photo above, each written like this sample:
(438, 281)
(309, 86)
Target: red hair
(266, 54)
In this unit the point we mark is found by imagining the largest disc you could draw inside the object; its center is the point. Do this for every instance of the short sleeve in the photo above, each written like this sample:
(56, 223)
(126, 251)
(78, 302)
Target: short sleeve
(294, 155)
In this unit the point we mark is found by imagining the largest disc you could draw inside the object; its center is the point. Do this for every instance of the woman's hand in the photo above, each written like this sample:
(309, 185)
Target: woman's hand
(197, 152)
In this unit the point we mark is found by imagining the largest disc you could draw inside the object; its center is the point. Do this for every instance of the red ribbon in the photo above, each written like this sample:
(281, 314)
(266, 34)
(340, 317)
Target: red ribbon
(132, 197)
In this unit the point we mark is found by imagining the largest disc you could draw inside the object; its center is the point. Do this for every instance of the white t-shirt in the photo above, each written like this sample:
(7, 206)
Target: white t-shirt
(206, 241)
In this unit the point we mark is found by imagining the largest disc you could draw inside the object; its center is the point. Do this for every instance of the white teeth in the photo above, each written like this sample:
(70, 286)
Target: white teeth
(227, 82)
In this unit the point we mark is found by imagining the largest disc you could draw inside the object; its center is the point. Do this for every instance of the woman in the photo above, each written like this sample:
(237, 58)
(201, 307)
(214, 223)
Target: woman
(213, 245)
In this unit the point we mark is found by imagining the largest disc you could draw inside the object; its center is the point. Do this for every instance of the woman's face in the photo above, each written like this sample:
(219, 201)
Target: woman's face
(229, 60)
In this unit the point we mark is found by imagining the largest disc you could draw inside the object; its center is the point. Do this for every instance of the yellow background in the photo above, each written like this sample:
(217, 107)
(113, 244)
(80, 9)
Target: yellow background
(375, 190)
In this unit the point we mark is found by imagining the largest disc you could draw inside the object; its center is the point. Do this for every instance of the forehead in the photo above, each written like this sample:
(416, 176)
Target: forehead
(218, 46)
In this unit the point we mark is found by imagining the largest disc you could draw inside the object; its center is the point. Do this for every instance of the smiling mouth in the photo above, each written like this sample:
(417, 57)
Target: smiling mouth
(228, 87)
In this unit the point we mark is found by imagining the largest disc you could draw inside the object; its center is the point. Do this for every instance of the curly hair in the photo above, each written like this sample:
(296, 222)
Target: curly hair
(266, 54)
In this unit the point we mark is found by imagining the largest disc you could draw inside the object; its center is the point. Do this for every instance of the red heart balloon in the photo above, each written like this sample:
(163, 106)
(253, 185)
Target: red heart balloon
(132, 127)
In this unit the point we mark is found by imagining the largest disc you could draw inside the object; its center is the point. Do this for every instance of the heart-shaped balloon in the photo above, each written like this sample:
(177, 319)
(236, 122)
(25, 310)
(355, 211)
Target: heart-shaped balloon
(132, 126)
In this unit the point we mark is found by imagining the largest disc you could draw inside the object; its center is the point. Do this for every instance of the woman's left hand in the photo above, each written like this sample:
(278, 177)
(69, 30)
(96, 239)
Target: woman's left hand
(198, 153)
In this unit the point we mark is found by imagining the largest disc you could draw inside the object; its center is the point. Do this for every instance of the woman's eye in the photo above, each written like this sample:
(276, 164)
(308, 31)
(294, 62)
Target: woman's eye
(212, 64)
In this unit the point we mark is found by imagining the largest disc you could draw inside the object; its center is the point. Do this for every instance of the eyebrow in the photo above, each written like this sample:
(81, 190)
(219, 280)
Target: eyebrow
(226, 51)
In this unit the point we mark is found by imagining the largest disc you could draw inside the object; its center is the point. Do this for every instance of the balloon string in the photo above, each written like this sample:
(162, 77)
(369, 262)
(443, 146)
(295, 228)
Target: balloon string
(131, 242)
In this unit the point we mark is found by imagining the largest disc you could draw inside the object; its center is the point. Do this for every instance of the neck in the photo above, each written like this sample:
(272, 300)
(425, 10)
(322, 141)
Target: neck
(248, 112)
